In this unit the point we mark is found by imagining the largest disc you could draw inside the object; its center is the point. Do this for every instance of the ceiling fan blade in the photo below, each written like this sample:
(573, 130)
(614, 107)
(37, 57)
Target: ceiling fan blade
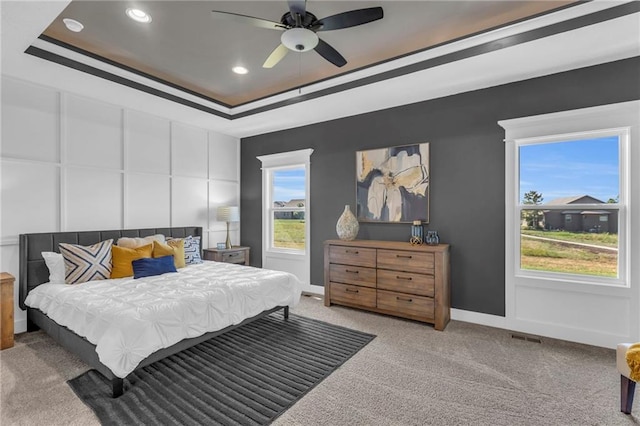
(299, 7)
(276, 56)
(349, 19)
(330, 54)
(250, 20)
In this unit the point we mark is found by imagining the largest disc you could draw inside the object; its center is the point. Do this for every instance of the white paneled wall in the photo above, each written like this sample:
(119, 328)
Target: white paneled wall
(69, 163)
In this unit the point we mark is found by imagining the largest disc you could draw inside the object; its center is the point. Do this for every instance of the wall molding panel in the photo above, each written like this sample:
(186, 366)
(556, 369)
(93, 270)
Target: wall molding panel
(71, 163)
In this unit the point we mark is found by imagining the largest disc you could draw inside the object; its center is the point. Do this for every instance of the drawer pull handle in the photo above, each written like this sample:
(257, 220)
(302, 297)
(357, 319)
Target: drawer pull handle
(404, 299)
(351, 272)
(350, 290)
(403, 278)
(404, 256)
(351, 251)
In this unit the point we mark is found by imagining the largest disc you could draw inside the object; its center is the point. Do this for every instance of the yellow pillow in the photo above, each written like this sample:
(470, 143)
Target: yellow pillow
(121, 257)
(173, 248)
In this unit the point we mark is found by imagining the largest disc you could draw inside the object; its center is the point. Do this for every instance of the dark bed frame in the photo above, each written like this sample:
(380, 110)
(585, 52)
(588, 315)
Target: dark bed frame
(34, 271)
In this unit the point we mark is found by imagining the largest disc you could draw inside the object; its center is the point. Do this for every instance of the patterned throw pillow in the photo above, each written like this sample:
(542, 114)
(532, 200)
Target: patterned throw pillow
(192, 250)
(86, 263)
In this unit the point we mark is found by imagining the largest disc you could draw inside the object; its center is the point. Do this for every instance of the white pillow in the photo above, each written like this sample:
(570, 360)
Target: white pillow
(136, 242)
(55, 263)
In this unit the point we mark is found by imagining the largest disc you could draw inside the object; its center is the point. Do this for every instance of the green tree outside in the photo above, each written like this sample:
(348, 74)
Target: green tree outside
(532, 217)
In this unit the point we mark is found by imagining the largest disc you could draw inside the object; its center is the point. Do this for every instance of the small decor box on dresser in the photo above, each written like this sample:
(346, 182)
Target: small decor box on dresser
(236, 254)
(389, 277)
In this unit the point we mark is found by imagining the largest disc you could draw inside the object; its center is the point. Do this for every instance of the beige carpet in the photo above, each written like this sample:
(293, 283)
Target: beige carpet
(409, 375)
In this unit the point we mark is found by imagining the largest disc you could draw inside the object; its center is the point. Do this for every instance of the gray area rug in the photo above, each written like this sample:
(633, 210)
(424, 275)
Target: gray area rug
(248, 376)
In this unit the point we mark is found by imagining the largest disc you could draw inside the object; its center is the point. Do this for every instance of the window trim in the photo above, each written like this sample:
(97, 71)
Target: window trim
(554, 306)
(615, 119)
(282, 161)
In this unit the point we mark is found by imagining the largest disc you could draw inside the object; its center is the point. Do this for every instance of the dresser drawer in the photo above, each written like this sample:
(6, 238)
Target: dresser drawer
(355, 295)
(406, 305)
(406, 282)
(410, 261)
(356, 256)
(348, 274)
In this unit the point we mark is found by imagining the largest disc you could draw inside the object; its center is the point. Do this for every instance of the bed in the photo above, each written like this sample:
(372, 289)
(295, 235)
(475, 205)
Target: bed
(259, 293)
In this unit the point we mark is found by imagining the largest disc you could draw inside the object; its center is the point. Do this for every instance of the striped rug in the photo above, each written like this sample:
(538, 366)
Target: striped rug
(248, 376)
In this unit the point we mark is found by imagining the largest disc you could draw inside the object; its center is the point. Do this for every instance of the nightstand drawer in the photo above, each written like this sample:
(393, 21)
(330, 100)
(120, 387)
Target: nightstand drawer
(236, 254)
(233, 257)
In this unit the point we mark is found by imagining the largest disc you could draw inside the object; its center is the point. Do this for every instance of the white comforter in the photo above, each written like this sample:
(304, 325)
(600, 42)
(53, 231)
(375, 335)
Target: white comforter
(130, 319)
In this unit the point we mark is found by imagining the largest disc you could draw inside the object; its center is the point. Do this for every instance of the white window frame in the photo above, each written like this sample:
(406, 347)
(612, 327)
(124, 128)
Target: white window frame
(283, 161)
(271, 210)
(551, 305)
(623, 247)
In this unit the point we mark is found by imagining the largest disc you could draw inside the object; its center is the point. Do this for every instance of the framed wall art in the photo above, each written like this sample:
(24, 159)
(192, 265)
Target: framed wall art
(392, 184)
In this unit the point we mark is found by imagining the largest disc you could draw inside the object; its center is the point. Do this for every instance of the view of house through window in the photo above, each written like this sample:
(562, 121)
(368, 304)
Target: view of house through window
(289, 206)
(569, 206)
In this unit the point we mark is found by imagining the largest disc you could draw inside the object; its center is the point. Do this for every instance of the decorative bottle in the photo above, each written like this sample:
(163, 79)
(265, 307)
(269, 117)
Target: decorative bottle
(347, 226)
(417, 236)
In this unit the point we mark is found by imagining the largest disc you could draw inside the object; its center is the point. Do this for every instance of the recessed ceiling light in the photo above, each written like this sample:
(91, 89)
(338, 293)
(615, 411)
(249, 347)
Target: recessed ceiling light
(138, 15)
(240, 70)
(73, 25)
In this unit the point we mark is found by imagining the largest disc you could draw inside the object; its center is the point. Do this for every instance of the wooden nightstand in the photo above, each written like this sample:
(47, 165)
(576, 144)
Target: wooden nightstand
(6, 310)
(236, 254)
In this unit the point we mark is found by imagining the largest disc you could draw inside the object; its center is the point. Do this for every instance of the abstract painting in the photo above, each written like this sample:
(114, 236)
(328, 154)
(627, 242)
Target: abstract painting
(392, 184)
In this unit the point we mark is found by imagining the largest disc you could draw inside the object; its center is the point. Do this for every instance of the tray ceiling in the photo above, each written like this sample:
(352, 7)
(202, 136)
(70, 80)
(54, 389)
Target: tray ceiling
(188, 48)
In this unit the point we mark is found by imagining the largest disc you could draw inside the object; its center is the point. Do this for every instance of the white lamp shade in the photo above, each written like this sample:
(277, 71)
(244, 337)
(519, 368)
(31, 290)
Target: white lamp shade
(228, 214)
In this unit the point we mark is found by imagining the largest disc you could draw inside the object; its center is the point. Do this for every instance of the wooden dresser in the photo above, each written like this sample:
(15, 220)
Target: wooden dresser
(389, 277)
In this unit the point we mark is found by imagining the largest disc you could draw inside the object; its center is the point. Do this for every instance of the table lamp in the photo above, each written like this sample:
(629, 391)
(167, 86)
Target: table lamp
(228, 214)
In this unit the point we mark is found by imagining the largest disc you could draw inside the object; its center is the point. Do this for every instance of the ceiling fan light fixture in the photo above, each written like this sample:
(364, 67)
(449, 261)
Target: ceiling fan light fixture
(299, 39)
(138, 15)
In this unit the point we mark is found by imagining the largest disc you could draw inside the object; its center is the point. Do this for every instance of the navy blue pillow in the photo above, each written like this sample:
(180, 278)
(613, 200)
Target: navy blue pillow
(148, 267)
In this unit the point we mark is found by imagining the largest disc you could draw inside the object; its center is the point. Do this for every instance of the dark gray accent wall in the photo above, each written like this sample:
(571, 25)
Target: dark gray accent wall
(467, 169)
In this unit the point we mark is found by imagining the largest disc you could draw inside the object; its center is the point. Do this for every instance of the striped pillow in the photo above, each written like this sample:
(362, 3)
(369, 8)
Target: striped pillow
(86, 263)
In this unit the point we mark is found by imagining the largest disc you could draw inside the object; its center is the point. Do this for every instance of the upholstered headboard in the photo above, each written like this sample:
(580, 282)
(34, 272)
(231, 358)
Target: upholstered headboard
(33, 270)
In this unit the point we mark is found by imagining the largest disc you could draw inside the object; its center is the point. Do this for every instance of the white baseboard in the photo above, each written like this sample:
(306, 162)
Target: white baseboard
(479, 318)
(20, 326)
(318, 290)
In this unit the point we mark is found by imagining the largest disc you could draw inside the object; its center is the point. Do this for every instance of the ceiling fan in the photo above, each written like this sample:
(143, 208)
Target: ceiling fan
(299, 29)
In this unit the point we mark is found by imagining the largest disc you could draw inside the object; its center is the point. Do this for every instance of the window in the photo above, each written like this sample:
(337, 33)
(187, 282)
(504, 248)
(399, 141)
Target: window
(569, 201)
(588, 161)
(288, 208)
(285, 192)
